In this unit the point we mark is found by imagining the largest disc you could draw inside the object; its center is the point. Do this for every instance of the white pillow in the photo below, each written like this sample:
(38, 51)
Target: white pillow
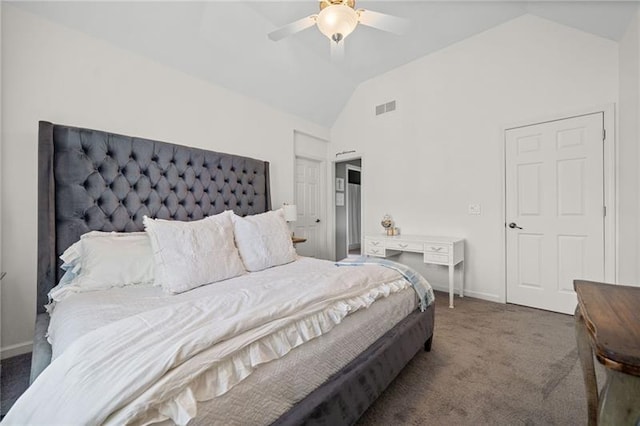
(114, 260)
(72, 256)
(191, 254)
(101, 260)
(263, 240)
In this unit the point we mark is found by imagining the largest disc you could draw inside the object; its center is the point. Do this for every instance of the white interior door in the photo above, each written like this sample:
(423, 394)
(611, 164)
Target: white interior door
(310, 222)
(554, 210)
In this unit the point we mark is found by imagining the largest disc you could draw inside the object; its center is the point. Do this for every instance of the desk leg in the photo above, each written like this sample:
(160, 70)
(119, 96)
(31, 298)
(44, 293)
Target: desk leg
(619, 404)
(462, 266)
(451, 289)
(588, 372)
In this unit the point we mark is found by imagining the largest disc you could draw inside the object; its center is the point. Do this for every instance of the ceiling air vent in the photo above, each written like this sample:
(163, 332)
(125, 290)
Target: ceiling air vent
(383, 108)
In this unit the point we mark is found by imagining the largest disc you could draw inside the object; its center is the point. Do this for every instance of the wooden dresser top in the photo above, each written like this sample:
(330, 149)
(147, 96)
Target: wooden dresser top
(612, 316)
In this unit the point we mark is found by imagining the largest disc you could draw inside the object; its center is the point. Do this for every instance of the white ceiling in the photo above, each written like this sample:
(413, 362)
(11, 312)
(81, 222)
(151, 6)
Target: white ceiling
(226, 42)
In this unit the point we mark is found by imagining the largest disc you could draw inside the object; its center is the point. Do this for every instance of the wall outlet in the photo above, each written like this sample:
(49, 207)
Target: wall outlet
(475, 209)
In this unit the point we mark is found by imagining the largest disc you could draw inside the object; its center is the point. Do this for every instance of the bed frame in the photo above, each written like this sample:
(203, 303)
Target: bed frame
(94, 180)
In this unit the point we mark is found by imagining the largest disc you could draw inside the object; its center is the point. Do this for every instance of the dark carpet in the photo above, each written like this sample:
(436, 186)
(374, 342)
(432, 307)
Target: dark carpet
(14, 379)
(491, 364)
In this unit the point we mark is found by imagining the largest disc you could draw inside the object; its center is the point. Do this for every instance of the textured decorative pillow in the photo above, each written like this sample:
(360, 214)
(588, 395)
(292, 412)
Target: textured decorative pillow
(190, 254)
(263, 240)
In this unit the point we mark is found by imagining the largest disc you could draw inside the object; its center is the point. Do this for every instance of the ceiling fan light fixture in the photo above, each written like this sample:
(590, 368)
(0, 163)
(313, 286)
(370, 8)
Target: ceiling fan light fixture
(337, 21)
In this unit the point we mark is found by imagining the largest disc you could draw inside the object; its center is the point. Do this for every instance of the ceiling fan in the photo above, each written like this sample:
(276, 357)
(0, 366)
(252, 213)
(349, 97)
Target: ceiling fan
(337, 19)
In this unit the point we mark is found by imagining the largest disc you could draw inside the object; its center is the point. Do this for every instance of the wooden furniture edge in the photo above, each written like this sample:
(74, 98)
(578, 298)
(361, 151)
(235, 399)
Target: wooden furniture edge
(607, 358)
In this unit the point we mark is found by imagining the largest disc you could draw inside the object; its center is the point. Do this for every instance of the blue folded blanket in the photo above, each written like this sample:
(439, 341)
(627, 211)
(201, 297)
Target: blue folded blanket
(420, 285)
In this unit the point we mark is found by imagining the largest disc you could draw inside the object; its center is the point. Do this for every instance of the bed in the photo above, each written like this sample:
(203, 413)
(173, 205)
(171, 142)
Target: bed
(134, 177)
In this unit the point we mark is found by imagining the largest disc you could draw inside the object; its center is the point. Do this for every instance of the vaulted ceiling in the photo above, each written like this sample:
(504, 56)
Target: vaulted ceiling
(225, 42)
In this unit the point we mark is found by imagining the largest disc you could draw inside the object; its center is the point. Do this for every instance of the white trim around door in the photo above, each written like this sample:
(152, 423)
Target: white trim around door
(332, 199)
(347, 201)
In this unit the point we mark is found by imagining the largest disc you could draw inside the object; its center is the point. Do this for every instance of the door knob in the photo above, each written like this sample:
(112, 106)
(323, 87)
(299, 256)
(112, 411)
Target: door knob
(513, 225)
(317, 220)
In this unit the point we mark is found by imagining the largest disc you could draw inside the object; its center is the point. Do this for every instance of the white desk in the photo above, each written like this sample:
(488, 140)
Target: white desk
(448, 251)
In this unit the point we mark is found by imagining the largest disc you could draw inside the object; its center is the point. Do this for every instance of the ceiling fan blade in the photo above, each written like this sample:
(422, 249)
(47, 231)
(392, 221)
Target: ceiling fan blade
(383, 22)
(337, 51)
(292, 28)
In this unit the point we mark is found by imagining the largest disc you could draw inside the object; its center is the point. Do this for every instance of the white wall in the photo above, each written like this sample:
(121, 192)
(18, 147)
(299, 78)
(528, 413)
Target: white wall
(442, 148)
(628, 154)
(56, 74)
(1, 269)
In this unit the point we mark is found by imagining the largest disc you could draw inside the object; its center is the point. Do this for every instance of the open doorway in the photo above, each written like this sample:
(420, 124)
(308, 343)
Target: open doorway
(348, 197)
(353, 200)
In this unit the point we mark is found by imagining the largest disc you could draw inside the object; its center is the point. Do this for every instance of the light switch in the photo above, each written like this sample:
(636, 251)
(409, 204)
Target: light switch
(475, 209)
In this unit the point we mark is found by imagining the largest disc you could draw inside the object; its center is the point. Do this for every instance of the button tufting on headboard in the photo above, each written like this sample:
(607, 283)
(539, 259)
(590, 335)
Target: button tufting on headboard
(94, 180)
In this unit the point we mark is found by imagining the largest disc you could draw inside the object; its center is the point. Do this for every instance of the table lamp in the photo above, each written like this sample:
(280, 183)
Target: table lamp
(290, 212)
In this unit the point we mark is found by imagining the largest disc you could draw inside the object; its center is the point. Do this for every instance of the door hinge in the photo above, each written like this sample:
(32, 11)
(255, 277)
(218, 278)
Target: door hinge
(604, 134)
(604, 211)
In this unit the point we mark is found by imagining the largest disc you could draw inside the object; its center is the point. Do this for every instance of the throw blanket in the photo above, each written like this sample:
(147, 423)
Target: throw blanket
(156, 365)
(419, 284)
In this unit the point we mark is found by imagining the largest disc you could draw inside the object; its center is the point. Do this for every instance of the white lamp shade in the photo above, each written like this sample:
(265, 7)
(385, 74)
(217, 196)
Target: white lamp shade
(337, 19)
(290, 212)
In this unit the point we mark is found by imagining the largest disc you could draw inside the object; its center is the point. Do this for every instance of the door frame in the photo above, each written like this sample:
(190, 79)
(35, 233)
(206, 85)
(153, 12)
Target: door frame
(332, 191)
(610, 178)
(346, 201)
(323, 196)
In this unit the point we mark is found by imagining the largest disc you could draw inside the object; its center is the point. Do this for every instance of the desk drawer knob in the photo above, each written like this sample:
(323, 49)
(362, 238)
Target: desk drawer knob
(403, 245)
(436, 248)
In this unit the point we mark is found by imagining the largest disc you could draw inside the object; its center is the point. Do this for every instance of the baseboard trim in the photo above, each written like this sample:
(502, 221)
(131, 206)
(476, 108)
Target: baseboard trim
(470, 293)
(15, 350)
(484, 296)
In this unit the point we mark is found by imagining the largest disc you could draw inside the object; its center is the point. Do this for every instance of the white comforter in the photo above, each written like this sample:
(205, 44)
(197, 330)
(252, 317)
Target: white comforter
(160, 361)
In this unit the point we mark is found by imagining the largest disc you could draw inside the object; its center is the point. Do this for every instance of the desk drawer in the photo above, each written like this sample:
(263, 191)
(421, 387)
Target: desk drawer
(442, 259)
(375, 251)
(436, 248)
(405, 246)
(371, 242)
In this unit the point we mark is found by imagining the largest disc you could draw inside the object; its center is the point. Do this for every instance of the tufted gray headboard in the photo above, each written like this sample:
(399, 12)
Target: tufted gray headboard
(89, 180)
